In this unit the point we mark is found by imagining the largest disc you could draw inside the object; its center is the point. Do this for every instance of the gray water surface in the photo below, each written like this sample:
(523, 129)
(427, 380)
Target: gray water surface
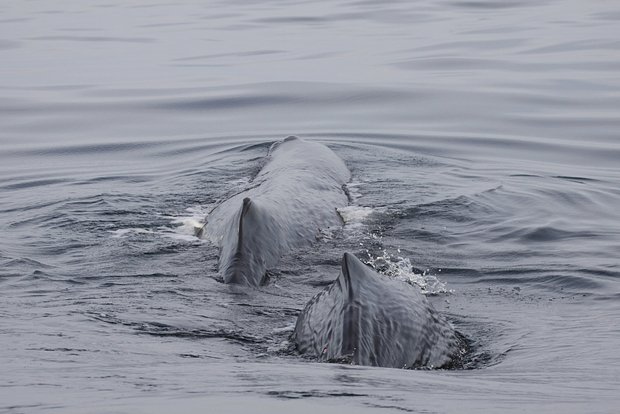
(483, 139)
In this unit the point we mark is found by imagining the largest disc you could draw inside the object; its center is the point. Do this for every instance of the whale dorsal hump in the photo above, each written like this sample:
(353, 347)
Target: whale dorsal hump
(245, 264)
(353, 275)
(245, 213)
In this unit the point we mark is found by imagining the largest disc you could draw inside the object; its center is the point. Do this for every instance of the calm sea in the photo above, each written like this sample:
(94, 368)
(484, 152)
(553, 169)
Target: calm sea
(484, 141)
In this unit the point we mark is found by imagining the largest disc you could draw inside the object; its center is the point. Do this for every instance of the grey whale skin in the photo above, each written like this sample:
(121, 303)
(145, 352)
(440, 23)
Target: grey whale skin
(368, 319)
(294, 195)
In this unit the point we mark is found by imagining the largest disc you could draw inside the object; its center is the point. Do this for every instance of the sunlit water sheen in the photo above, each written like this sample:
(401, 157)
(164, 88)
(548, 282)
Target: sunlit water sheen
(483, 138)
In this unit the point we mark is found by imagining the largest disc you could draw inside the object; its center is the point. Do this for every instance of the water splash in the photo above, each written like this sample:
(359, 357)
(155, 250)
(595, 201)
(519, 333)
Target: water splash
(354, 215)
(400, 268)
(187, 225)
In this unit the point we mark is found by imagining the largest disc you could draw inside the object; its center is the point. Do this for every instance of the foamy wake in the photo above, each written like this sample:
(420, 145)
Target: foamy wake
(352, 215)
(183, 227)
(123, 233)
(188, 225)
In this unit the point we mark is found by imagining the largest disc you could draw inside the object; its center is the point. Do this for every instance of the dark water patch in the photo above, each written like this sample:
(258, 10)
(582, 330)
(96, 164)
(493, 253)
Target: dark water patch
(224, 103)
(456, 208)
(130, 179)
(199, 356)
(487, 44)
(451, 148)
(159, 25)
(490, 5)
(542, 234)
(390, 407)
(33, 183)
(294, 395)
(526, 175)
(163, 330)
(95, 39)
(477, 338)
(292, 20)
(607, 16)
(572, 47)
(600, 271)
(200, 65)
(24, 263)
(549, 280)
(67, 350)
(97, 148)
(45, 219)
(581, 180)
(234, 54)
(61, 87)
(79, 29)
(140, 276)
(449, 63)
(152, 6)
(15, 20)
(269, 310)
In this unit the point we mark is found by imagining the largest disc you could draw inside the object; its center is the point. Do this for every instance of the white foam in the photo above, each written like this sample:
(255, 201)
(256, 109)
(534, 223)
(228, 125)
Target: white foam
(122, 233)
(401, 268)
(352, 215)
(188, 224)
(183, 227)
(284, 329)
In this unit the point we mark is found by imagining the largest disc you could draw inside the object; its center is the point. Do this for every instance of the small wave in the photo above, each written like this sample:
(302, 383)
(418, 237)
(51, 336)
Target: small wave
(95, 39)
(296, 394)
(544, 234)
(353, 191)
(166, 330)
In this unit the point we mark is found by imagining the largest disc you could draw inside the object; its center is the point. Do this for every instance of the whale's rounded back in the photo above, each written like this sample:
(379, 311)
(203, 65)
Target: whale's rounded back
(295, 194)
(368, 319)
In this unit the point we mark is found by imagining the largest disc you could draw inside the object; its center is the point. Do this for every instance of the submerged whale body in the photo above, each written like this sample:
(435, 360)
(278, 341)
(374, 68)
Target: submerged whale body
(368, 319)
(294, 195)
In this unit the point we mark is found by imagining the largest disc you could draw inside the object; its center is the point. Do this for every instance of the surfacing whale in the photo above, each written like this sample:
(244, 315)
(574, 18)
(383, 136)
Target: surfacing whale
(294, 195)
(365, 318)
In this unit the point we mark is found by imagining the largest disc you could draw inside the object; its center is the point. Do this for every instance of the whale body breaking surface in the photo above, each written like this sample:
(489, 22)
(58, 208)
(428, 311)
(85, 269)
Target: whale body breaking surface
(295, 194)
(365, 318)
(362, 318)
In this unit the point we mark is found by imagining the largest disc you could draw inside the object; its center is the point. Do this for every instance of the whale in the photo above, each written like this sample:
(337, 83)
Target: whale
(295, 194)
(365, 318)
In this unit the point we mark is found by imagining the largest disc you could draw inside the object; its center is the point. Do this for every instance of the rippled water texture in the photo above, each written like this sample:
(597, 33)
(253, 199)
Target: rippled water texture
(483, 141)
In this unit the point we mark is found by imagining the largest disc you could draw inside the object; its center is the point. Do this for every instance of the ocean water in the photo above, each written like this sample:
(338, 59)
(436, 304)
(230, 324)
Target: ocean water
(483, 140)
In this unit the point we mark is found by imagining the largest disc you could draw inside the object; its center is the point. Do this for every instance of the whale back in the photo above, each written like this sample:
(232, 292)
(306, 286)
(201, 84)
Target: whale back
(294, 195)
(245, 257)
(368, 319)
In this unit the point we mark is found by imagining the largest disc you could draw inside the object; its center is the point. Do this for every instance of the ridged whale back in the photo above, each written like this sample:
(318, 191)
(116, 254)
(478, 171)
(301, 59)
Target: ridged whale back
(369, 319)
(296, 193)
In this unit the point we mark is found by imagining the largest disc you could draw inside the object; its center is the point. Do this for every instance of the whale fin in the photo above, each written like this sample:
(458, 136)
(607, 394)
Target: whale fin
(353, 272)
(366, 318)
(353, 277)
(245, 212)
(246, 265)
